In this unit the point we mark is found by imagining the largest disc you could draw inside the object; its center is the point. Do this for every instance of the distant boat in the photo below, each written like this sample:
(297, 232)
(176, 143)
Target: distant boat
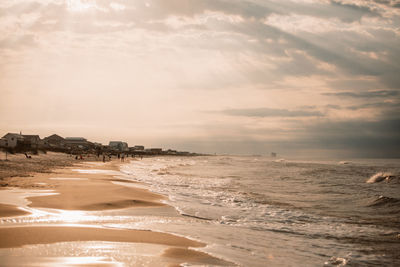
(273, 154)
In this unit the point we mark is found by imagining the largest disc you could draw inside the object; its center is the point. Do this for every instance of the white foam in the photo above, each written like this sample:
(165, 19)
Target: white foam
(379, 177)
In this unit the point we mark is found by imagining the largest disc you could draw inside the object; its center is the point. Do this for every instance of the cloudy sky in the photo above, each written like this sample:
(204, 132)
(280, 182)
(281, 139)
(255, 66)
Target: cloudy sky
(300, 77)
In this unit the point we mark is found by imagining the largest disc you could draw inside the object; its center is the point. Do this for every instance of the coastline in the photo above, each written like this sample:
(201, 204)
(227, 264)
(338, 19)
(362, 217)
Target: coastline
(90, 187)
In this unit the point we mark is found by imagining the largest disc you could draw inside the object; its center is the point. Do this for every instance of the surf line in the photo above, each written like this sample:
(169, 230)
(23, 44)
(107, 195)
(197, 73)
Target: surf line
(196, 217)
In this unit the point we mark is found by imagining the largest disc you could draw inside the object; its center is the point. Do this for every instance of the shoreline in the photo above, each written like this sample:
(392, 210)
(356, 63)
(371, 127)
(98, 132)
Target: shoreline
(92, 187)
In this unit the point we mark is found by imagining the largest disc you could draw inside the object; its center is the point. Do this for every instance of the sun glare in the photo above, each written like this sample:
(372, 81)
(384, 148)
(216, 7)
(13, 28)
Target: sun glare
(80, 5)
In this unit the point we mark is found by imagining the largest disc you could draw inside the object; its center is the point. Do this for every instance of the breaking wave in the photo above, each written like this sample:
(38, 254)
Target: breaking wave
(381, 176)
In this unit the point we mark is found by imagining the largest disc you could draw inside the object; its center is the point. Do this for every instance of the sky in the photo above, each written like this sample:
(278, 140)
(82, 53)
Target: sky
(300, 77)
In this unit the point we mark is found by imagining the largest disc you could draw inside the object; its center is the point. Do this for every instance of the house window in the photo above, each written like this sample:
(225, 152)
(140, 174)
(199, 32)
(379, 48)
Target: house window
(12, 139)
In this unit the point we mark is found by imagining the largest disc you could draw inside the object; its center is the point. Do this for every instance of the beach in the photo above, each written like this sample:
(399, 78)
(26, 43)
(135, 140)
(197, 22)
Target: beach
(200, 211)
(66, 203)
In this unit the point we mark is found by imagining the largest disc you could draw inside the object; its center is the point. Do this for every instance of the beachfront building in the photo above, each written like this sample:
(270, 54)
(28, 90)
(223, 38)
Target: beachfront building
(77, 142)
(171, 152)
(31, 141)
(138, 148)
(54, 141)
(3, 142)
(13, 139)
(135, 149)
(153, 151)
(98, 145)
(184, 153)
(118, 146)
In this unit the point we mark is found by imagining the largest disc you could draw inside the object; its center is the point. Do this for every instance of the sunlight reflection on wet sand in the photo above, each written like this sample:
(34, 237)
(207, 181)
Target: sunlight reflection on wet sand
(85, 254)
(18, 197)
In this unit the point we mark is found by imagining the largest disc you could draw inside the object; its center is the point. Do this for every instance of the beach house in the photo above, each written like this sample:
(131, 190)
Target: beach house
(118, 146)
(31, 141)
(153, 151)
(54, 141)
(3, 142)
(13, 139)
(138, 148)
(77, 142)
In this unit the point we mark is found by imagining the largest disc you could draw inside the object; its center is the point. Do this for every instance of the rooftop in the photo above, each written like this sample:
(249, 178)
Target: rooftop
(75, 139)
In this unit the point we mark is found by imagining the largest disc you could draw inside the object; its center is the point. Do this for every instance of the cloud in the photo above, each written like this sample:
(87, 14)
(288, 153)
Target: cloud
(363, 138)
(389, 3)
(352, 12)
(378, 105)
(325, 138)
(303, 71)
(365, 94)
(270, 112)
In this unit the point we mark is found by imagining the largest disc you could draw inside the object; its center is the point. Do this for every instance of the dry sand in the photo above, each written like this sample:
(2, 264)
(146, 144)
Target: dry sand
(17, 165)
(92, 190)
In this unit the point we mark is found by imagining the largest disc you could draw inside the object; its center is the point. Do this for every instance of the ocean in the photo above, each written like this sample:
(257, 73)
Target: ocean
(259, 211)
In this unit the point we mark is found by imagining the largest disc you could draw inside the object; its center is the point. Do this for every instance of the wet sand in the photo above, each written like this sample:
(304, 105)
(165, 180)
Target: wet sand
(7, 210)
(92, 187)
(20, 236)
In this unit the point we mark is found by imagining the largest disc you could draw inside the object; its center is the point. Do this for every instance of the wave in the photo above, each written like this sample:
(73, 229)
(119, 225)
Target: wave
(381, 176)
(384, 201)
(196, 217)
(336, 261)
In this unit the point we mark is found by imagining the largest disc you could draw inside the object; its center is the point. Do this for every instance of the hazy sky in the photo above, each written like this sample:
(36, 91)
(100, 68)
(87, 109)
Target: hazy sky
(297, 77)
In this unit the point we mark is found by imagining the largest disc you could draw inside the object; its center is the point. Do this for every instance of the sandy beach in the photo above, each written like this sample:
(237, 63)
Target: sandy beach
(84, 186)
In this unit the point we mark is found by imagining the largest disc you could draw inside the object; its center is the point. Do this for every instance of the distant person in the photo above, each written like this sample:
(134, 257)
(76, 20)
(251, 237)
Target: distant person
(119, 156)
(104, 158)
(123, 157)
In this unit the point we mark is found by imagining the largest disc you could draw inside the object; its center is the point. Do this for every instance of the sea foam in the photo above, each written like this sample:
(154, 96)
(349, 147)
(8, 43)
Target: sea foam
(380, 176)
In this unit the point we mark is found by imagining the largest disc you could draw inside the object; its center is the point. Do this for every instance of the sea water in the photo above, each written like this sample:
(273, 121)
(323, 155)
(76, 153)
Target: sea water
(257, 211)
